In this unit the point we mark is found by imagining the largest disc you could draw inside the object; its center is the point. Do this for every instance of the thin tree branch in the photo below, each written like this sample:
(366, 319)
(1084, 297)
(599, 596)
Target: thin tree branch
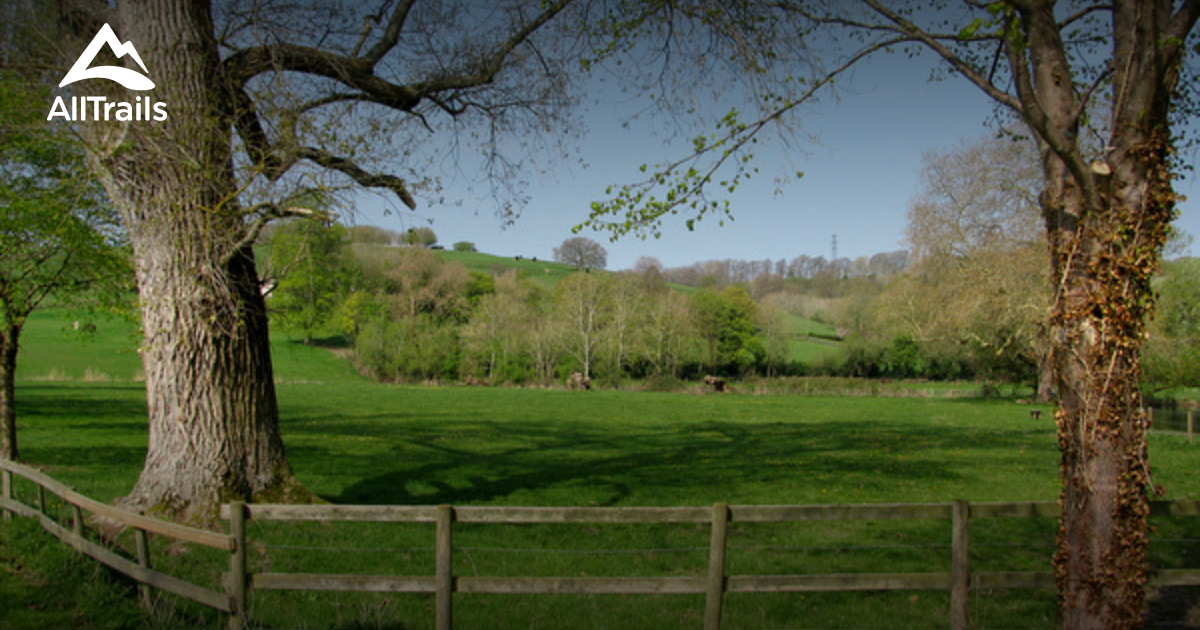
(913, 31)
(347, 167)
(267, 212)
(391, 35)
(1181, 25)
(358, 72)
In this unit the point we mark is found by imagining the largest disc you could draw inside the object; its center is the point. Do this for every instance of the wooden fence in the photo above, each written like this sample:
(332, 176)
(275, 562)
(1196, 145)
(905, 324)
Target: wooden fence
(138, 568)
(239, 581)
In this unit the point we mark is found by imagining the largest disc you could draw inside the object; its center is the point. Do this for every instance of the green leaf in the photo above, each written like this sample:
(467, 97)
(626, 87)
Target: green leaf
(969, 31)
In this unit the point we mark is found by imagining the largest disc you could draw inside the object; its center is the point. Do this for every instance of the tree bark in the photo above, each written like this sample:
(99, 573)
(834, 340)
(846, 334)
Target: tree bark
(1097, 323)
(9, 338)
(213, 419)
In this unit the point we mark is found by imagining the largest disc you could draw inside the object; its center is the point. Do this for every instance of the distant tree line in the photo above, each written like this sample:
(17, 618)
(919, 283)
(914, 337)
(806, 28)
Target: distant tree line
(722, 273)
(966, 300)
(409, 315)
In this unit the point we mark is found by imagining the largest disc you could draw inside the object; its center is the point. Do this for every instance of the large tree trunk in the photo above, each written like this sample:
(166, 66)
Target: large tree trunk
(1104, 259)
(1106, 221)
(214, 429)
(9, 339)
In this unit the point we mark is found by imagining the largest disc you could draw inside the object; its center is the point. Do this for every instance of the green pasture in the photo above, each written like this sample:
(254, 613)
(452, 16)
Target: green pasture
(810, 341)
(353, 441)
(543, 271)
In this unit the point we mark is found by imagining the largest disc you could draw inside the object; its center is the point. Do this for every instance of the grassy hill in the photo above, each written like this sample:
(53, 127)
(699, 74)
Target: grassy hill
(810, 340)
(52, 350)
(546, 273)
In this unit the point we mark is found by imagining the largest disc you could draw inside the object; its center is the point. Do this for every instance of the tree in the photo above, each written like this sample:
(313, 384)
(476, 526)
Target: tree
(502, 326)
(667, 330)
(1172, 354)
(371, 235)
(582, 252)
(260, 100)
(422, 237)
(725, 321)
(314, 272)
(422, 282)
(625, 318)
(59, 236)
(1098, 88)
(978, 282)
(584, 308)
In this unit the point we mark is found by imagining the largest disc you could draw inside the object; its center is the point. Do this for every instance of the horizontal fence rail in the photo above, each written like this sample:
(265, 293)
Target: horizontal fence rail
(714, 581)
(138, 569)
(958, 580)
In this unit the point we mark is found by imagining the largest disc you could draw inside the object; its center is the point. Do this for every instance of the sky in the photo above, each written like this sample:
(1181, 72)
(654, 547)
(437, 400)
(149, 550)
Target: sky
(861, 170)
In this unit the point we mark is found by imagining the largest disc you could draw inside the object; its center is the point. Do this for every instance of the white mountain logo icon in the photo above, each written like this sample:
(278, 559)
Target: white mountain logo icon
(131, 79)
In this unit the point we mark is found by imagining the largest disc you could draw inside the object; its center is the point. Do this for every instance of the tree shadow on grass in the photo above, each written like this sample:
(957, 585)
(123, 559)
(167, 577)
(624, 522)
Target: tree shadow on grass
(107, 456)
(591, 467)
(1174, 606)
(122, 406)
(90, 430)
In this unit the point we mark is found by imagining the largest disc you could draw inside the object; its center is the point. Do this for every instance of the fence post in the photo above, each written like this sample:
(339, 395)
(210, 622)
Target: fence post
(77, 520)
(960, 567)
(444, 578)
(716, 567)
(6, 490)
(236, 578)
(41, 494)
(143, 557)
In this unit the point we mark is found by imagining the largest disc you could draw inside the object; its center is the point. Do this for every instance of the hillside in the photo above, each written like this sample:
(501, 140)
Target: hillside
(546, 273)
(52, 350)
(809, 341)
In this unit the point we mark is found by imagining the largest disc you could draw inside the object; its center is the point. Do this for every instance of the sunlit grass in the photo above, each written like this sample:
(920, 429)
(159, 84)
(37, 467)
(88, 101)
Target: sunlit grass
(354, 441)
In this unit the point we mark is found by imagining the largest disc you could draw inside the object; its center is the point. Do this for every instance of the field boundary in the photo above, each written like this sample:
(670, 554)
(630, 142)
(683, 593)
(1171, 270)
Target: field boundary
(239, 581)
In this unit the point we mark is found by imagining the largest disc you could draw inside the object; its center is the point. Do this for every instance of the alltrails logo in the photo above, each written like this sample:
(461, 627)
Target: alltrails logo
(143, 108)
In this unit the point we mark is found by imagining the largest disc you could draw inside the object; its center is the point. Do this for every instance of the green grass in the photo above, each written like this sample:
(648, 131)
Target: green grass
(811, 341)
(52, 348)
(546, 273)
(46, 585)
(353, 441)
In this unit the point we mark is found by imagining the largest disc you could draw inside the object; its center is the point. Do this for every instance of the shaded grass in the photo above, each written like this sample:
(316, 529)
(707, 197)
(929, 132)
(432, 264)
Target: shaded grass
(45, 585)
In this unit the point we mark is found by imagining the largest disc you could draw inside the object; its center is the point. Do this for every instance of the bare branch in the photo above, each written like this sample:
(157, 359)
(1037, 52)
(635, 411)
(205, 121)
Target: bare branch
(1082, 13)
(489, 67)
(353, 72)
(391, 35)
(1181, 25)
(906, 26)
(358, 72)
(250, 130)
(355, 172)
(267, 212)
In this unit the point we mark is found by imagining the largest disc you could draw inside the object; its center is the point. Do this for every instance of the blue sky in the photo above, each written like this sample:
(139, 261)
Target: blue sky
(861, 170)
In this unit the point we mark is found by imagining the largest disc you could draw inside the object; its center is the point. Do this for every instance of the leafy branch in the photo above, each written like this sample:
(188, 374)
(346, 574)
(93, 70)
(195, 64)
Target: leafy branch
(682, 185)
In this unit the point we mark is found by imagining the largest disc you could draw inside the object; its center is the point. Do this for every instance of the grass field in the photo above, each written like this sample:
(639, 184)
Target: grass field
(545, 272)
(354, 441)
